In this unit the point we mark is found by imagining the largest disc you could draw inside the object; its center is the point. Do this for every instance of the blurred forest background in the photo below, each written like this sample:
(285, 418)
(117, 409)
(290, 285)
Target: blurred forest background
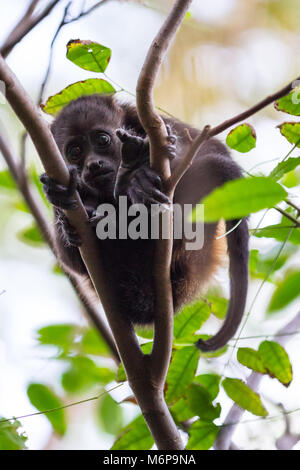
(227, 55)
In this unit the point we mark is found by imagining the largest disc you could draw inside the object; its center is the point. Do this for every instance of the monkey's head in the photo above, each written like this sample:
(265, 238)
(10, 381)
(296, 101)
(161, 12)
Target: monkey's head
(85, 132)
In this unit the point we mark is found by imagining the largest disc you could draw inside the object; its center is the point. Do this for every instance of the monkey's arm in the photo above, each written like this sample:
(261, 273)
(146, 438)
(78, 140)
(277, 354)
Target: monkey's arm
(135, 178)
(66, 237)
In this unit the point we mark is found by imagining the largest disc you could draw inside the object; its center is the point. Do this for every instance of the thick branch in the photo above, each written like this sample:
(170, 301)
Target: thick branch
(232, 419)
(21, 179)
(25, 25)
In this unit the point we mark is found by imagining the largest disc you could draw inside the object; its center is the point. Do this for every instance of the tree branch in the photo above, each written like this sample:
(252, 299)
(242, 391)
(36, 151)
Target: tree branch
(214, 131)
(25, 25)
(18, 173)
(232, 419)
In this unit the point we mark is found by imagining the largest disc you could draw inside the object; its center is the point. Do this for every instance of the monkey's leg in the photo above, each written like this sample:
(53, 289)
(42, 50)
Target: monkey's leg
(135, 178)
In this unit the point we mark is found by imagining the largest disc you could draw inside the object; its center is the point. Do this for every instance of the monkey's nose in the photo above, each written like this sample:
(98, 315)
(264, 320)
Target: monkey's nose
(94, 166)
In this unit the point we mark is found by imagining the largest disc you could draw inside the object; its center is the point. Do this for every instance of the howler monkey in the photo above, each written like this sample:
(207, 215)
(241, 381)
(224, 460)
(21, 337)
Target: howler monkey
(106, 149)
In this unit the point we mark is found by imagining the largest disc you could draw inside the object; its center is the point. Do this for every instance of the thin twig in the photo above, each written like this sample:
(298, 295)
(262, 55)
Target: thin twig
(288, 216)
(25, 25)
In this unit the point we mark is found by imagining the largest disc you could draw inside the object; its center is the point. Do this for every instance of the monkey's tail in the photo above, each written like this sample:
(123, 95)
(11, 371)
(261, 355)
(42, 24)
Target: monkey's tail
(237, 242)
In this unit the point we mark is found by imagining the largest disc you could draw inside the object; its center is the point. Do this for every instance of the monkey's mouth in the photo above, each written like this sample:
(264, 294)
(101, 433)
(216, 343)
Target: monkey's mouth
(99, 176)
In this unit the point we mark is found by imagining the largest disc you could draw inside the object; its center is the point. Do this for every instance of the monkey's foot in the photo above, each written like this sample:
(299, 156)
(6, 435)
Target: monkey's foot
(59, 195)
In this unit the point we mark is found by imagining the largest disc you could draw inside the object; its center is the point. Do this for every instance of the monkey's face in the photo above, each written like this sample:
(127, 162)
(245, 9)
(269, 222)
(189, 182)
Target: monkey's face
(96, 155)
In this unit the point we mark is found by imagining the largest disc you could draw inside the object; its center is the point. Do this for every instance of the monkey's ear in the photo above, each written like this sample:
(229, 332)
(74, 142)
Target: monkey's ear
(131, 120)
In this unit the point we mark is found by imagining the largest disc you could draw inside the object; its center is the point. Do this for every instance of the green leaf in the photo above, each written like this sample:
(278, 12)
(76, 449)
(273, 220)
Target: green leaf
(110, 415)
(289, 103)
(202, 435)
(277, 361)
(84, 88)
(11, 438)
(61, 335)
(242, 138)
(280, 232)
(93, 343)
(291, 131)
(264, 264)
(83, 374)
(147, 333)
(136, 436)
(218, 305)
(199, 401)
(31, 236)
(190, 319)
(287, 291)
(44, 399)
(243, 396)
(88, 55)
(181, 372)
(239, 198)
(211, 382)
(181, 411)
(284, 167)
(291, 179)
(6, 180)
(251, 359)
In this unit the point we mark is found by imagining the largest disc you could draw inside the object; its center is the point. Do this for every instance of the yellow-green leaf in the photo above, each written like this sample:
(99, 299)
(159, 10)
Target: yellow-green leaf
(291, 131)
(243, 396)
(284, 167)
(286, 292)
(88, 55)
(276, 361)
(242, 138)
(202, 435)
(190, 319)
(181, 372)
(11, 437)
(83, 88)
(290, 103)
(136, 436)
(239, 198)
(44, 399)
(251, 358)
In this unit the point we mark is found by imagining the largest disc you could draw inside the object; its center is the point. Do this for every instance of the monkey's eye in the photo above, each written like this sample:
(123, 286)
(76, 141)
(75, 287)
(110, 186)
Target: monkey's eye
(100, 139)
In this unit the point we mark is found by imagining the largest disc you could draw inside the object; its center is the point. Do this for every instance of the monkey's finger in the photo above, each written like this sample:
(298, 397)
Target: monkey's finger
(63, 201)
(73, 181)
(125, 136)
(172, 138)
(147, 174)
(159, 196)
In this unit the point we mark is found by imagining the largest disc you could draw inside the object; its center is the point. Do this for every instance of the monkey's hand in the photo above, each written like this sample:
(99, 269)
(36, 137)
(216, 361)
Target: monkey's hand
(59, 195)
(135, 178)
